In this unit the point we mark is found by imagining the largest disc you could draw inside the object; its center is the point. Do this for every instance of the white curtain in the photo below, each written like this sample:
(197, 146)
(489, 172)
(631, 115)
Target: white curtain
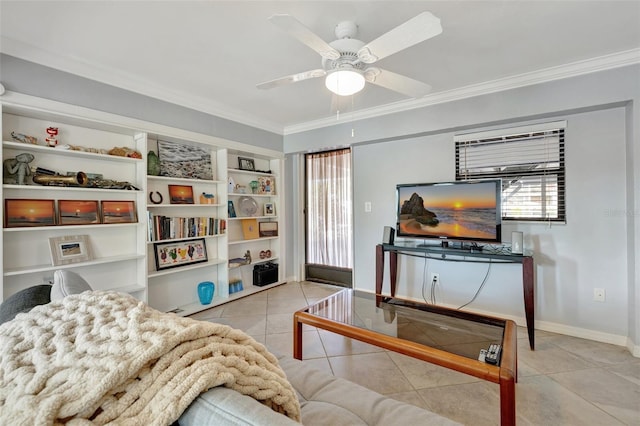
(329, 233)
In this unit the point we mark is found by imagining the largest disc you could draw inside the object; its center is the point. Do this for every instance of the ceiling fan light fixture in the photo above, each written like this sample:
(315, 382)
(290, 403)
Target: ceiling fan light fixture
(345, 82)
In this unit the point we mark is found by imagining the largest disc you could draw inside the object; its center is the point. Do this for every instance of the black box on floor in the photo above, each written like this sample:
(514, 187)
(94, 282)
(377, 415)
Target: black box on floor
(265, 273)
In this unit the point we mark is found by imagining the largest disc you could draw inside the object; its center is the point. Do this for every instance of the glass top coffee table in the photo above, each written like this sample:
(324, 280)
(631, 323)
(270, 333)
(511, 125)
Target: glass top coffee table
(446, 337)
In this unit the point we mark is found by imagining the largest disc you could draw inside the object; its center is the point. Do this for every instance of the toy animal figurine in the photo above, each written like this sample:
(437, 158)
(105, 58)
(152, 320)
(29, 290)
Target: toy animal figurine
(20, 137)
(15, 170)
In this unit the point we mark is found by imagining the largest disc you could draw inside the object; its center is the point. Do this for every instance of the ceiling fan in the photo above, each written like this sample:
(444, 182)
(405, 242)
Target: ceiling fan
(346, 61)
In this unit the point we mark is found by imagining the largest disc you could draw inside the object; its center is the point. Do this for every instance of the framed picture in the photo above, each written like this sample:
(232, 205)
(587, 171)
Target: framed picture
(119, 212)
(180, 253)
(231, 210)
(269, 209)
(78, 212)
(181, 194)
(20, 212)
(184, 161)
(246, 163)
(268, 229)
(250, 229)
(70, 249)
(266, 185)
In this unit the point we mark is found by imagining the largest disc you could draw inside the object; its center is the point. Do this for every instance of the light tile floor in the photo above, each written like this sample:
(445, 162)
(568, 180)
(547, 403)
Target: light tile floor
(565, 381)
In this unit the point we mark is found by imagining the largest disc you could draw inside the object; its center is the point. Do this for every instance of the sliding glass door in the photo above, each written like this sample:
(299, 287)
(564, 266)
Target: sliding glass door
(329, 232)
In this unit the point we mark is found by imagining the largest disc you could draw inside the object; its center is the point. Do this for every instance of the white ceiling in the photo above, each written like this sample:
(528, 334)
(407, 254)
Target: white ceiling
(210, 55)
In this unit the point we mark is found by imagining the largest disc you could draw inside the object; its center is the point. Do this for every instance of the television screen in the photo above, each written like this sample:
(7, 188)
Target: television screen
(461, 210)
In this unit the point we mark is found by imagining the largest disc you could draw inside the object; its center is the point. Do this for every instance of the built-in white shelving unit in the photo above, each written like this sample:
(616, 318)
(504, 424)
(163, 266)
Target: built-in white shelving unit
(124, 254)
(267, 174)
(118, 249)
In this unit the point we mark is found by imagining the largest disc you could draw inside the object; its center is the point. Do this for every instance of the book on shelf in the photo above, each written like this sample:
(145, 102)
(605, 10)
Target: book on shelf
(168, 227)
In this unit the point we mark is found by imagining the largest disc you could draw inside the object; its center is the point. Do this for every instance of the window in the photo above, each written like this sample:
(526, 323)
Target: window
(530, 162)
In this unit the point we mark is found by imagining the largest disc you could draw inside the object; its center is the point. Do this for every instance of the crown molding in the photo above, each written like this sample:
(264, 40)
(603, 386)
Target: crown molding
(615, 60)
(134, 84)
(119, 79)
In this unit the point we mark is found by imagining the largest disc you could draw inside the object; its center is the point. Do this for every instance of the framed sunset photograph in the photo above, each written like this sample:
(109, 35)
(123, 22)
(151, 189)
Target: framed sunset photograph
(181, 194)
(20, 212)
(119, 212)
(78, 212)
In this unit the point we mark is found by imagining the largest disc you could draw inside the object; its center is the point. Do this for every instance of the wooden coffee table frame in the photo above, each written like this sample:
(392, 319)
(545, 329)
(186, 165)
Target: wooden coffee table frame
(505, 375)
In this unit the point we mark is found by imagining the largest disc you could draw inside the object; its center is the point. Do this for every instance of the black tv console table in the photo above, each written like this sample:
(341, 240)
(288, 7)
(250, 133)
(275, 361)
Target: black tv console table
(445, 253)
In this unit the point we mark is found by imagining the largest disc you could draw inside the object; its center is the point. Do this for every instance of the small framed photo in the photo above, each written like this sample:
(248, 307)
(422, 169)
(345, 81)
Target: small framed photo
(269, 209)
(70, 249)
(266, 185)
(181, 194)
(20, 212)
(268, 229)
(173, 254)
(246, 164)
(119, 212)
(231, 210)
(78, 212)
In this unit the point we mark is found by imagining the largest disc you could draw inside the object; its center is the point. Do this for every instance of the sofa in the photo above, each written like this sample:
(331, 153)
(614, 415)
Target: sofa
(323, 398)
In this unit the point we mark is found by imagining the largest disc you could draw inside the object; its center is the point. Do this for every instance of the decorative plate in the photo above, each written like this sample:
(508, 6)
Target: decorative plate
(248, 206)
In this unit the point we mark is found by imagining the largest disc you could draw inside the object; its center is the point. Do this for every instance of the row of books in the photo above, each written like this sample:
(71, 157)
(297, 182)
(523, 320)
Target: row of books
(168, 228)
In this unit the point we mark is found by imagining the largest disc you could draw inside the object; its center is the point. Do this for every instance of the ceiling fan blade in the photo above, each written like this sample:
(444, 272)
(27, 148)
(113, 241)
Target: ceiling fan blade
(295, 28)
(414, 31)
(293, 78)
(396, 82)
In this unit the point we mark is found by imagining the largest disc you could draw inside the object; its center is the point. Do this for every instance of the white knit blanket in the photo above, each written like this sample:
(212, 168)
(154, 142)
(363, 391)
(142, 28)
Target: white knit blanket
(108, 358)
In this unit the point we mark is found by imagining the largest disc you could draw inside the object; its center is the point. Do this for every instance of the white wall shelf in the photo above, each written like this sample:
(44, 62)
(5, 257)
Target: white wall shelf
(50, 267)
(66, 189)
(252, 240)
(68, 152)
(181, 269)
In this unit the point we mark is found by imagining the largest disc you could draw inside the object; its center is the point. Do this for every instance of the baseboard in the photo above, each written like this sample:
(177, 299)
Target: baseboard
(633, 348)
(552, 327)
(582, 333)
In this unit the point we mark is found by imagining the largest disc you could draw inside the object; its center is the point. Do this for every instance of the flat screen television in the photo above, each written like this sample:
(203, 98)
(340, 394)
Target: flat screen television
(460, 210)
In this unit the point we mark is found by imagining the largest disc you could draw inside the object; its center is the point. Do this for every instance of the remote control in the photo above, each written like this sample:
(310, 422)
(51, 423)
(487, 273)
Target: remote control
(493, 354)
(482, 355)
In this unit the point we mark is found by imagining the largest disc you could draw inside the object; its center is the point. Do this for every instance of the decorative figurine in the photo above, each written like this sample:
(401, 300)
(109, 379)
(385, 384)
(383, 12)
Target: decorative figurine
(247, 257)
(207, 198)
(51, 140)
(17, 169)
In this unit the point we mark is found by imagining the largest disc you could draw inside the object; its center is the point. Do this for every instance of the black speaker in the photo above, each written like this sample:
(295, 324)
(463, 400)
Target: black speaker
(265, 273)
(388, 235)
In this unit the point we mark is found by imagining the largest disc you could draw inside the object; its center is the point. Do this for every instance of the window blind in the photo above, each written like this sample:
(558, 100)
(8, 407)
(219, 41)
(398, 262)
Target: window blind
(530, 162)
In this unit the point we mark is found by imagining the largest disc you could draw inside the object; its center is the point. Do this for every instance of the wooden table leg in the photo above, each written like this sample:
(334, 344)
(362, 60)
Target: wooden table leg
(379, 273)
(529, 294)
(297, 337)
(507, 402)
(393, 271)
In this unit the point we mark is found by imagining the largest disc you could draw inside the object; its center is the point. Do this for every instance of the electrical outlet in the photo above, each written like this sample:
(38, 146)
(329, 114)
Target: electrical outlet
(598, 294)
(435, 278)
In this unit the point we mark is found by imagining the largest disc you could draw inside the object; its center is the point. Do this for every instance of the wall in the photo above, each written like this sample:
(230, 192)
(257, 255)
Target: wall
(589, 251)
(596, 248)
(25, 77)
